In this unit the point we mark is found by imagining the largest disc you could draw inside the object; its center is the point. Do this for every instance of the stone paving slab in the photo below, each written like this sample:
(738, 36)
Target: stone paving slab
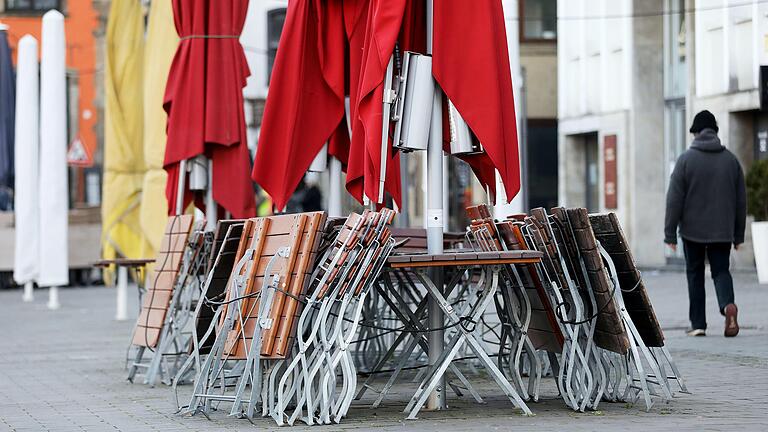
(64, 370)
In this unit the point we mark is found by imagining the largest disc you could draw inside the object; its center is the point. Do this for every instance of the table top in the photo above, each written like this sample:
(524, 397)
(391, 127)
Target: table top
(124, 262)
(465, 259)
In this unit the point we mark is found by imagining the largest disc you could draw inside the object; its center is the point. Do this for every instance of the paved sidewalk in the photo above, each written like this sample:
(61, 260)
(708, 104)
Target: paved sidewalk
(63, 371)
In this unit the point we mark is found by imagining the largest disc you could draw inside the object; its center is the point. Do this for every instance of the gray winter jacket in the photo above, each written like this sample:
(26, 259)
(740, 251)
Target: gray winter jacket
(706, 196)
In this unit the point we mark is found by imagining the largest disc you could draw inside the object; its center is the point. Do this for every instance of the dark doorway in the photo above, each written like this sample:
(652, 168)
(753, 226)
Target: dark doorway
(542, 163)
(591, 173)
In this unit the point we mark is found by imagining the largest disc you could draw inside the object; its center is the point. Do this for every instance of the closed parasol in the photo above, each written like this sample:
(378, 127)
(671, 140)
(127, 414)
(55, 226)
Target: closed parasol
(204, 101)
(305, 105)
(471, 64)
(7, 111)
(26, 263)
(54, 192)
(123, 131)
(159, 48)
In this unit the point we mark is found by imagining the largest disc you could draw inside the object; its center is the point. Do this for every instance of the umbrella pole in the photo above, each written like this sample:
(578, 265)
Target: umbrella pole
(334, 187)
(434, 222)
(211, 210)
(180, 187)
(29, 292)
(386, 105)
(53, 298)
(121, 310)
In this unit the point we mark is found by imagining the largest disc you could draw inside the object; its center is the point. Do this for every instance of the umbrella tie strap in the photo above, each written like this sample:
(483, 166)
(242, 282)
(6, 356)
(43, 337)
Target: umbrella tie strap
(210, 37)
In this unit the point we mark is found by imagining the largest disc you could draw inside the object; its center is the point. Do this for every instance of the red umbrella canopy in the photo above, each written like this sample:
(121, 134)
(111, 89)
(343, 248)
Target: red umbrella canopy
(471, 64)
(305, 105)
(204, 101)
(384, 21)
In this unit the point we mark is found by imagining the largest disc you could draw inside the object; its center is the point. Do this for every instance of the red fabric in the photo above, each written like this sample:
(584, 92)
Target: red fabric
(204, 102)
(306, 96)
(471, 64)
(355, 14)
(364, 169)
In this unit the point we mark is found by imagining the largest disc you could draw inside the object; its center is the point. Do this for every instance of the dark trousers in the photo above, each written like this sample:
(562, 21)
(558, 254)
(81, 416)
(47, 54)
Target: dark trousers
(718, 255)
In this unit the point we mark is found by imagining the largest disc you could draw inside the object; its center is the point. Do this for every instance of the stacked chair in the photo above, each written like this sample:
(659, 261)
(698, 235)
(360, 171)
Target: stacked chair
(276, 334)
(573, 309)
(164, 326)
(275, 315)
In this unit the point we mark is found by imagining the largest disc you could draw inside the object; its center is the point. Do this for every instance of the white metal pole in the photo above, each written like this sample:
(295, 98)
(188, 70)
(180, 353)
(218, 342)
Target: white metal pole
(180, 187)
(434, 220)
(29, 292)
(334, 187)
(122, 294)
(211, 209)
(53, 298)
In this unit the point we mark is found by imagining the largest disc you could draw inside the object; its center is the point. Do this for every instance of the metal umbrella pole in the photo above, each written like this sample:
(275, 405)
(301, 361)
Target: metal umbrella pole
(211, 209)
(334, 171)
(334, 187)
(180, 187)
(434, 221)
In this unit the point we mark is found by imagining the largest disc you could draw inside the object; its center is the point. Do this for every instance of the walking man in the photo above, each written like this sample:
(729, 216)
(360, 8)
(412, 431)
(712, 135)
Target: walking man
(707, 200)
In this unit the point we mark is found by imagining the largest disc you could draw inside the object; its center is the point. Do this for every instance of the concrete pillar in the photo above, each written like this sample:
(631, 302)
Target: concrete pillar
(646, 140)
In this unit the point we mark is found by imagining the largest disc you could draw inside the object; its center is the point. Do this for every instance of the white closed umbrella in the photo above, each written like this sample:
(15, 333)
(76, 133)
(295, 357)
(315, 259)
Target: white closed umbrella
(26, 159)
(54, 194)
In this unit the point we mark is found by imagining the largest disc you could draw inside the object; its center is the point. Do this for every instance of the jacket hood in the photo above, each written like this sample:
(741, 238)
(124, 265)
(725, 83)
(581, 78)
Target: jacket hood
(707, 141)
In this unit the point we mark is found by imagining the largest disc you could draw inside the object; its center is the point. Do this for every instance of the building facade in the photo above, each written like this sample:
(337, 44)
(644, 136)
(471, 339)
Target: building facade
(726, 53)
(84, 77)
(632, 74)
(537, 101)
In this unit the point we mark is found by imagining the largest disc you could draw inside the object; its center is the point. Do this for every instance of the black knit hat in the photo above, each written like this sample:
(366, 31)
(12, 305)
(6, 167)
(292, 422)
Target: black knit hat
(703, 120)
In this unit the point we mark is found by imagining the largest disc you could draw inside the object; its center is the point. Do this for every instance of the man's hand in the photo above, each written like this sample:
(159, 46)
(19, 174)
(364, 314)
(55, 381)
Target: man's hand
(736, 246)
(672, 246)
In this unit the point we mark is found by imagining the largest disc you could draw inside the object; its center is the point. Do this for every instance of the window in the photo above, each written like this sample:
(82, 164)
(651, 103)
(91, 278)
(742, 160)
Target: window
(538, 20)
(675, 69)
(31, 5)
(275, 21)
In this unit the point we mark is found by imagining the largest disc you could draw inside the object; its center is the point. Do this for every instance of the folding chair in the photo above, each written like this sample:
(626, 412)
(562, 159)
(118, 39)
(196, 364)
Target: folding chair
(513, 305)
(608, 232)
(574, 376)
(328, 325)
(255, 321)
(163, 324)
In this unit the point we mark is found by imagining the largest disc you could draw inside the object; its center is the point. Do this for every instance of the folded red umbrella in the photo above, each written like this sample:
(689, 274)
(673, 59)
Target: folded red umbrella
(306, 96)
(383, 25)
(204, 101)
(471, 64)
(355, 13)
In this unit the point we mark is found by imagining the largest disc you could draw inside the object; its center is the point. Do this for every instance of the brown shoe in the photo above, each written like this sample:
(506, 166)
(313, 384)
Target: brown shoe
(731, 324)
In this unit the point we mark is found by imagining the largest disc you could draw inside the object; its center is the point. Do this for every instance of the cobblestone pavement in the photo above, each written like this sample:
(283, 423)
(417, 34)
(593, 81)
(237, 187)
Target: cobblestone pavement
(63, 371)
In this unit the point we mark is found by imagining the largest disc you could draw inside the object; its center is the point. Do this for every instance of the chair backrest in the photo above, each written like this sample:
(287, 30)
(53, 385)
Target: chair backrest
(160, 289)
(608, 232)
(610, 333)
(265, 236)
(225, 243)
(544, 331)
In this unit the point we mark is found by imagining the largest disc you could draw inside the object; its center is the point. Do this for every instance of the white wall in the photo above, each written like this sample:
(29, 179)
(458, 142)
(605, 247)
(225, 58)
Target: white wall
(594, 48)
(730, 45)
(513, 45)
(254, 41)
